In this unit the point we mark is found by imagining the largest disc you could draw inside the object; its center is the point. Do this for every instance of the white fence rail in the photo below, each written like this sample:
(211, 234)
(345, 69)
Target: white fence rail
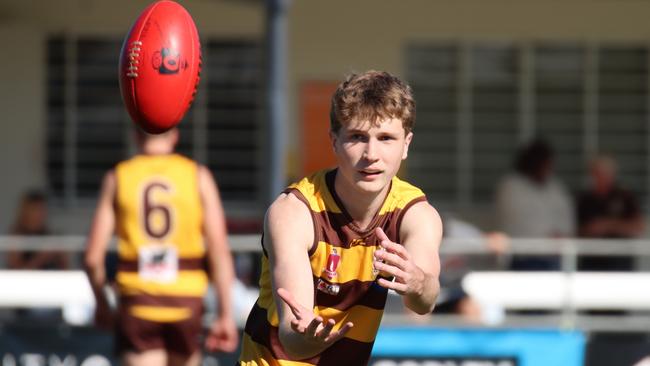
(566, 292)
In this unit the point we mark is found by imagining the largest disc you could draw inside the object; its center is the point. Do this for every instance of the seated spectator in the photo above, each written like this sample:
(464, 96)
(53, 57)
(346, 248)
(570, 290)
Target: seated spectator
(453, 299)
(31, 220)
(453, 267)
(606, 210)
(533, 203)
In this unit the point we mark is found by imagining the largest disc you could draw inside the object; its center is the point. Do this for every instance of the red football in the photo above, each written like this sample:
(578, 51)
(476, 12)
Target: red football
(160, 65)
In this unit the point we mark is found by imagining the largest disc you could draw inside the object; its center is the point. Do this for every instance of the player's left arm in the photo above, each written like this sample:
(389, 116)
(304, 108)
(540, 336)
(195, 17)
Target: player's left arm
(102, 229)
(415, 264)
(222, 335)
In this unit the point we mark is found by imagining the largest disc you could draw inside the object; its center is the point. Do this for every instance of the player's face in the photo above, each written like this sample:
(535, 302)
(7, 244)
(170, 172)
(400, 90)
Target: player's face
(369, 155)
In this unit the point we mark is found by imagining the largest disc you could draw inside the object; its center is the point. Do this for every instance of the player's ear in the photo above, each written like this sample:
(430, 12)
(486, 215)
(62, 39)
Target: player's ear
(333, 139)
(407, 143)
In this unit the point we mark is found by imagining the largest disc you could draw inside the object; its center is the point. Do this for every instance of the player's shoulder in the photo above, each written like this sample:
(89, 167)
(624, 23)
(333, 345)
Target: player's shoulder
(288, 221)
(422, 209)
(288, 205)
(203, 171)
(109, 176)
(421, 214)
(109, 181)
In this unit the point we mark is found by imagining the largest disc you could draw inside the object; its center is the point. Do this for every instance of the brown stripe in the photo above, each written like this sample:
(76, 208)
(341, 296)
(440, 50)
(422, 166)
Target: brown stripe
(184, 264)
(330, 178)
(339, 230)
(334, 230)
(162, 300)
(258, 328)
(345, 352)
(133, 333)
(355, 292)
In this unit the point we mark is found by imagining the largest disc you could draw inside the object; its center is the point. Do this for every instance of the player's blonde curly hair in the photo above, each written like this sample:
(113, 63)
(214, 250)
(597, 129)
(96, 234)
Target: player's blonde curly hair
(373, 96)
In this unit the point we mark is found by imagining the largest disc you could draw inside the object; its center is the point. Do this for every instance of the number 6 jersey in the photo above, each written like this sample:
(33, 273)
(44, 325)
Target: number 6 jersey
(161, 270)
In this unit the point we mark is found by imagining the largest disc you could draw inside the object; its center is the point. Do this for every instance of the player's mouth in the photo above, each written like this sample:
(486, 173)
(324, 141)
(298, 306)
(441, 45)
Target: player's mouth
(370, 174)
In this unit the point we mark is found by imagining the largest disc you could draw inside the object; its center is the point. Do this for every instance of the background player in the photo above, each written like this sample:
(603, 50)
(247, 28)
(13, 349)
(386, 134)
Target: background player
(164, 207)
(321, 300)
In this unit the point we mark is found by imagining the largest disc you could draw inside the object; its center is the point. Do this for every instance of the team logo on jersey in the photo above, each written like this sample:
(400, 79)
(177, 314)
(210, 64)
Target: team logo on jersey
(333, 261)
(328, 288)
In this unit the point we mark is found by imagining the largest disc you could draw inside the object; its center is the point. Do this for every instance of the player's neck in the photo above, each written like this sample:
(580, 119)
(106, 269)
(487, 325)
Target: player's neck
(156, 148)
(361, 206)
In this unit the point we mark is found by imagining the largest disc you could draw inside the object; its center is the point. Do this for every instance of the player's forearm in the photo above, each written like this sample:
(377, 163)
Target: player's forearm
(424, 301)
(97, 277)
(297, 347)
(222, 274)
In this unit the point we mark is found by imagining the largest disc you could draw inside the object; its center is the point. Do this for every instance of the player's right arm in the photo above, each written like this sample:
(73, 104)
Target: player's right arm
(99, 237)
(288, 236)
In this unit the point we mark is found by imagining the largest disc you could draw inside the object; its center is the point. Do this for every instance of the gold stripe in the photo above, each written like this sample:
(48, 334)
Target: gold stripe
(314, 188)
(317, 194)
(160, 314)
(254, 354)
(401, 193)
(188, 283)
(319, 203)
(366, 321)
(355, 262)
(266, 294)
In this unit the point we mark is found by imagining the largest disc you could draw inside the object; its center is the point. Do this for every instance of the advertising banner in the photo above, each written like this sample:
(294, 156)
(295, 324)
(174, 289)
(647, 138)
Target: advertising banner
(408, 346)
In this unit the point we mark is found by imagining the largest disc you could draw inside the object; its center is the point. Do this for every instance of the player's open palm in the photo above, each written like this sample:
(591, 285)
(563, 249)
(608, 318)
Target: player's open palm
(396, 261)
(314, 328)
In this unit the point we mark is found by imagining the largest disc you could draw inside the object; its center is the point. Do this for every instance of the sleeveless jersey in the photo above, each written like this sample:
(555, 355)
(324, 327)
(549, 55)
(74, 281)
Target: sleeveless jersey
(161, 269)
(345, 287)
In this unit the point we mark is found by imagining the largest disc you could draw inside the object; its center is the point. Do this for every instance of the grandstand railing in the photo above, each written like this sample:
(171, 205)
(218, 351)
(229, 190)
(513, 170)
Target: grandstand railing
(564, 299)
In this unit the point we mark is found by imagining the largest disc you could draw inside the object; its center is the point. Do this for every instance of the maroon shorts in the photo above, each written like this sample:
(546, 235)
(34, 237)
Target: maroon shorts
(134, 334)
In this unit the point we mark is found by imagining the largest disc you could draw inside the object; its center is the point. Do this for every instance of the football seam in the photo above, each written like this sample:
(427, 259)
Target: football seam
(133, 80)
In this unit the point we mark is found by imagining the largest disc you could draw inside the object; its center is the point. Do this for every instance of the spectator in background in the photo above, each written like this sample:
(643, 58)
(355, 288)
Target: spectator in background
(532, 203)
(31, 220)
(607, 210)
(454, 267)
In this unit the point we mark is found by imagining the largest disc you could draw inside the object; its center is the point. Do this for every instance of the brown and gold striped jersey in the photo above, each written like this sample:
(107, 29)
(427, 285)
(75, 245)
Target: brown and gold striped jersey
(161, 269)
(345, 287)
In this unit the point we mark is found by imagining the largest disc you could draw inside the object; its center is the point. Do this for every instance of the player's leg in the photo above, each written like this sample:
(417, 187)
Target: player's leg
(154, 357)
(176, 359)
(183, 341)
(140, 342)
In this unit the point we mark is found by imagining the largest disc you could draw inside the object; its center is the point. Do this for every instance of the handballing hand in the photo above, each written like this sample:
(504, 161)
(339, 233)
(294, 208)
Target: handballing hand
(314, 328)
(396, 261)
